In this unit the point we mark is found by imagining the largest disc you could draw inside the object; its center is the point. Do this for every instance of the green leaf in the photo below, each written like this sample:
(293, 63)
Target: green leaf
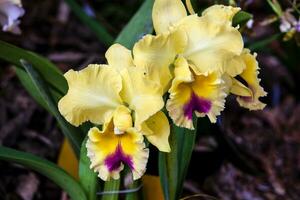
(73, 134)
(99, 30)
(261, 44)
(241, 18)
(88, 178)
(111, 189)
(48, 71)
(139, 25)
(30, 87)
(173, 166)
(275, 7)
(48, 169)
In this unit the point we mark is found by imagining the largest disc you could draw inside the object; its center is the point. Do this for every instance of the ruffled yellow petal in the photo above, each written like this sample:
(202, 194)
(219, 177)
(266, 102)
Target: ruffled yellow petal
(210, 44)
(156, 53)
(166, 13)
(204, 95)
(93, 95)
(240, 89)
(109, 152)
(157, 131)
(250, 76)
(235, 66)
(220, 13)
(139, 92)
(180, 93)
(119, 57)
(142, 95)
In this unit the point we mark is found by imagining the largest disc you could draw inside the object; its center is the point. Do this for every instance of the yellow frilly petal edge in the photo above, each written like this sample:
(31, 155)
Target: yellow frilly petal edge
(109, 152)
(250, 75)
(68, 161)
(210, 43)
(166, 13)
(93, 95)
(221, 14)
(210, 89)
(119, 57)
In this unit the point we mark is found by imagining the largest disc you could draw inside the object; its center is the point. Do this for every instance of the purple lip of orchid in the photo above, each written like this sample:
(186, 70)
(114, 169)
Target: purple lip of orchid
(196, 104)
(114, 160)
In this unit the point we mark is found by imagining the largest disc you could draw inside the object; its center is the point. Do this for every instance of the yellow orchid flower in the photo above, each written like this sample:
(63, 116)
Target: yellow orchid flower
(210, 39)
(248, 95)
(202, 49)
(109, 150)
(203, 94)
(127, 104)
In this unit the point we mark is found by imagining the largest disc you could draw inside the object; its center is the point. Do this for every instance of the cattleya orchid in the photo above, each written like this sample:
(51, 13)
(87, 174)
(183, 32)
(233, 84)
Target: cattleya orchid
(10, 12)
(210, 54)
(126, 104)
(198, 60)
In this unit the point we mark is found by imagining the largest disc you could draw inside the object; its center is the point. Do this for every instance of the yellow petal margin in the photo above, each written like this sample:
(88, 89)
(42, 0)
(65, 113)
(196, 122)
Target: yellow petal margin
(166, 13)
(109, 152)
(119, 57)
(93, 95)
(203, 95)
(157, 131)
(220, 13)
(210, 44)
(250, 75)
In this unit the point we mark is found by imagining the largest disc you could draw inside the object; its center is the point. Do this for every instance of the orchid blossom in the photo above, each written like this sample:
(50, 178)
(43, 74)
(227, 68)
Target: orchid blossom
(126, 104)
(207, 51)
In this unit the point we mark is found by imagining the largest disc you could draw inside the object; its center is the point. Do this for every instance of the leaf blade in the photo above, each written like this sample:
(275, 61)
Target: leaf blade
(99, 30)
(48, 70)
(88, 178)
(47, 168)
(74, 135)
(173, 166)
(140, 24)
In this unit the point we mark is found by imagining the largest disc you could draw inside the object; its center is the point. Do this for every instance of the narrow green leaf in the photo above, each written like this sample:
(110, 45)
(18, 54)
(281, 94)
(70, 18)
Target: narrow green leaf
(48, 169)
(263, 43)
(73, 134)
(241, 18)
(139, 25)
(48, 71)
(173, 166)
(99, 30)
(276, 7)
(111, 189)
(88, 178)
(30, 87)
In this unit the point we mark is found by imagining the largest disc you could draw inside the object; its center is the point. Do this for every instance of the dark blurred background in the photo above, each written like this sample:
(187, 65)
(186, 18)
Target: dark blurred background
(248, 155)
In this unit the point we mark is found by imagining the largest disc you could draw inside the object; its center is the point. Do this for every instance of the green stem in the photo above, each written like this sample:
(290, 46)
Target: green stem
(111, 189)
